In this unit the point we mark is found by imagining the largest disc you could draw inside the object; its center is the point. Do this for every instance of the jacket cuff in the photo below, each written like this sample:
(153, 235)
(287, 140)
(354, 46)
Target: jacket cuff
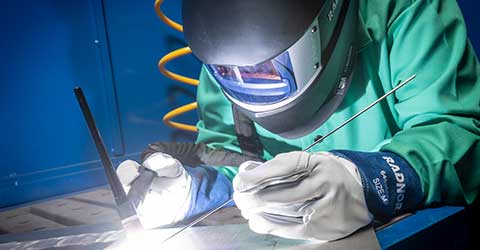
(391, 186)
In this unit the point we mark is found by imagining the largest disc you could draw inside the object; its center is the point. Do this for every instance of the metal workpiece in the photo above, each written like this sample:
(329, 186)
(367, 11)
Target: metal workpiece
(414, 231)
(238, 237)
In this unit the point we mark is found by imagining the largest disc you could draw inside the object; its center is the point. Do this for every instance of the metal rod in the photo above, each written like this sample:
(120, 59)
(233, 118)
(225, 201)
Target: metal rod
(360, 112)
(196, 221)
(193, 223)
(121, 200)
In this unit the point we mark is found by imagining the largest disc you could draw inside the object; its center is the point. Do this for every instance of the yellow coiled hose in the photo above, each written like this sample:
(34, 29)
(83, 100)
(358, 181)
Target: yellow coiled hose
(176, 77)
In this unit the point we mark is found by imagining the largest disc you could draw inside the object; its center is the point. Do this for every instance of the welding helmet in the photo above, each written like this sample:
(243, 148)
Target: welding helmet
(285, 64)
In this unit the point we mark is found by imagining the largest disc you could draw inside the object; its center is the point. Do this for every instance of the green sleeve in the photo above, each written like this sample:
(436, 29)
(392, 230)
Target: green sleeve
(215, 127)
(439, 111)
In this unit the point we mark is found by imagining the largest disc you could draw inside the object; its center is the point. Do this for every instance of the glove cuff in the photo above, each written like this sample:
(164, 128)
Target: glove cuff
(390, 184)
(209, 189)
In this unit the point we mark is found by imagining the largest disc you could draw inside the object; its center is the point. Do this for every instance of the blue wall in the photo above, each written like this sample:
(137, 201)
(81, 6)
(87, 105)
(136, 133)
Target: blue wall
(470, 10)
(110, 48)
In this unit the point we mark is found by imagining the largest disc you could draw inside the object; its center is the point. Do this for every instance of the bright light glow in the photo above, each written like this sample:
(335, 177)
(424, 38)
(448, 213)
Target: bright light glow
(167, 203)
(160, 209)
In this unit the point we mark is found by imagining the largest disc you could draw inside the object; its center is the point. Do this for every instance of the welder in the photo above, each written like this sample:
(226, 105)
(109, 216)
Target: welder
(279, 74)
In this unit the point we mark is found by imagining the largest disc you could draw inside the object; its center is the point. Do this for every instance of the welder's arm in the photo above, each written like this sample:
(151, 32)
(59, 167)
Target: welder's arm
(177, 192)
(439, 113)
(324, 196)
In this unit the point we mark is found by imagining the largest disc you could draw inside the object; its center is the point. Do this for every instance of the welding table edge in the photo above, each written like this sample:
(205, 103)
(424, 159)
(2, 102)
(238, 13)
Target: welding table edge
(388, 237)
(419, 224)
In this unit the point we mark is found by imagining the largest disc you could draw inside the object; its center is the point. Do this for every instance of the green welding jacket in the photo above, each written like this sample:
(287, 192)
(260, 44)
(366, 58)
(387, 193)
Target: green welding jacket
(433, 122)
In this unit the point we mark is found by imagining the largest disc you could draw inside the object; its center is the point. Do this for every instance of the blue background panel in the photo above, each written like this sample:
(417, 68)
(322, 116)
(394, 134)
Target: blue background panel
(472, 19)
(47, 48)
(138, 39)
(110, 48)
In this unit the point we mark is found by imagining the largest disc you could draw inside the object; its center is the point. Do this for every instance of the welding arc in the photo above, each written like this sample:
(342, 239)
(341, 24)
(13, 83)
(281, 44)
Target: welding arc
(307, 148)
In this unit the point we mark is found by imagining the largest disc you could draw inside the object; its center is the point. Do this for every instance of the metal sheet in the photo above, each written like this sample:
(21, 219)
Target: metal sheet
(240, 237)
(210, 237)
(426, 229)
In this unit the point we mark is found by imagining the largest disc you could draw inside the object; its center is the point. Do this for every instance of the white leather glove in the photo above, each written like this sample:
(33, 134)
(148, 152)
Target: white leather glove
(300, 195)
(168, 199)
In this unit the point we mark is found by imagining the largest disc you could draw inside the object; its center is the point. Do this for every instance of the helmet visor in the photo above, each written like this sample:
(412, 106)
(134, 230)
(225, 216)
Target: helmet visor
(262, 84)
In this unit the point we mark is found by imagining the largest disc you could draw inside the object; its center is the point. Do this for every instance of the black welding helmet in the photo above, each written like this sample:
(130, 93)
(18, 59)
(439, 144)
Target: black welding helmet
(286, 64)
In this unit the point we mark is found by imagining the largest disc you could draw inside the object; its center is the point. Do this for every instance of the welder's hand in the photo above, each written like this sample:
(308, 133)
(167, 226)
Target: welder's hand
(168, 199)
(299, 195)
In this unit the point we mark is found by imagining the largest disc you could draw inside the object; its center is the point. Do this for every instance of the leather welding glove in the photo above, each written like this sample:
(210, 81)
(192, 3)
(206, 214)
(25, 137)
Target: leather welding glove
(315, 196)
(177, 192)
(168, 198)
